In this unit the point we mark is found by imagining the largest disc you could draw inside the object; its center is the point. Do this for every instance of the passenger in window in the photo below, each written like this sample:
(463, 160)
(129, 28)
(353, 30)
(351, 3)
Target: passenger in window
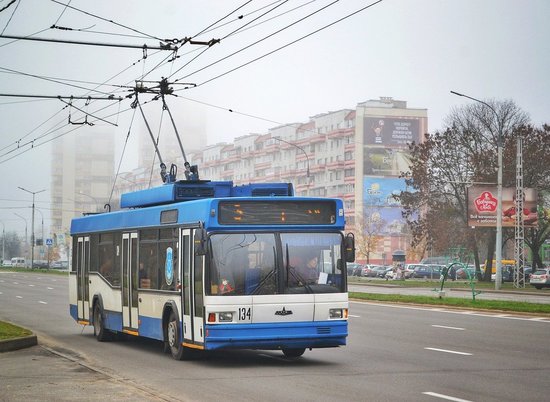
(144, 281)
(309, 272)
(106, 268)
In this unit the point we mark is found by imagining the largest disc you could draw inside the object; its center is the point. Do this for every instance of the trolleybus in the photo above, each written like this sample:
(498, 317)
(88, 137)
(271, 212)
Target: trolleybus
(209, 265)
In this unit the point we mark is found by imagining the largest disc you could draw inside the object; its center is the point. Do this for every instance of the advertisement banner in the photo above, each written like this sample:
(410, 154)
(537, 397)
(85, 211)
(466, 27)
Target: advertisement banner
(391, 132)
(390, 220)
(380, 190)
(482, 207)
(385, 161)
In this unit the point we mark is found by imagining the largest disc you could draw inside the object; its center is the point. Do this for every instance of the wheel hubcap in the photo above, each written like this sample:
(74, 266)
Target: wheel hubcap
(172, 333)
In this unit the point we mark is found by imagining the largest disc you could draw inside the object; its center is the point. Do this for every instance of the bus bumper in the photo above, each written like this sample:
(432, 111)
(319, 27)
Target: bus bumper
(273, 336)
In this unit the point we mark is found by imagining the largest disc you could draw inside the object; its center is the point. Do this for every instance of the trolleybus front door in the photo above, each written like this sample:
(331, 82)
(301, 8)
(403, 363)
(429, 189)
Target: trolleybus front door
(129, 281)
(193, 320)
(82, 277)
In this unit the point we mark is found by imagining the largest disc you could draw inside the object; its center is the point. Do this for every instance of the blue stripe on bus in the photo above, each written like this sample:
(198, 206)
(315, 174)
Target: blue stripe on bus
(317, 334)
(151, 327)
(73, 310)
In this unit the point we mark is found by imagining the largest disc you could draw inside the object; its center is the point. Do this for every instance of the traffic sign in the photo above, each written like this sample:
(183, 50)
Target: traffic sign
(49, 242)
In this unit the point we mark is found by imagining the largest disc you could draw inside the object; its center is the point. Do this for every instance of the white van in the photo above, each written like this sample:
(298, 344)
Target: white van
(18, 262)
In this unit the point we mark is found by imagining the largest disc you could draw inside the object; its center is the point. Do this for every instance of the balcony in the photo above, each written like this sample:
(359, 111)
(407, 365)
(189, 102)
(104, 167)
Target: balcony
(342, 132)
(335, 165)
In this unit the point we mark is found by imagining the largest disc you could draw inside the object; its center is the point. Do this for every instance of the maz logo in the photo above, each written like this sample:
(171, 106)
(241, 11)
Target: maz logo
(283, 312)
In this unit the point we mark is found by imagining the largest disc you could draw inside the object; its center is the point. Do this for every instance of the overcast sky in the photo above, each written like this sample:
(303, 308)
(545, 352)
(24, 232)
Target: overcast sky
(413, 50)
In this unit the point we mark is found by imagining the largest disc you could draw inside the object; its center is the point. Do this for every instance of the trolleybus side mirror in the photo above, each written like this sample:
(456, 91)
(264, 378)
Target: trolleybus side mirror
(200, 241)
(349, 245)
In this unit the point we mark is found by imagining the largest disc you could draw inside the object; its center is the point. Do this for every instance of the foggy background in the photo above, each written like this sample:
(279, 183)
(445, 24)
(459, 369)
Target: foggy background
(412, 50)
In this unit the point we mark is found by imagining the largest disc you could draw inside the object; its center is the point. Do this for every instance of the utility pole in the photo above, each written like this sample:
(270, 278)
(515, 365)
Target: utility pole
(26, 239)
(32, 224)
(3, 242)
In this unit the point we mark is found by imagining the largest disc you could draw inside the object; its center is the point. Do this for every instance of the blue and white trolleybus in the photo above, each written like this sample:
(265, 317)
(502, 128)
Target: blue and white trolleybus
(209, 265)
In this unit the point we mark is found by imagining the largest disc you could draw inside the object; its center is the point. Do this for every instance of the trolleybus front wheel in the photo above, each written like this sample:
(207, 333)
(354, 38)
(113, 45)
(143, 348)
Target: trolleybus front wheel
(173, 338)
(293, 352)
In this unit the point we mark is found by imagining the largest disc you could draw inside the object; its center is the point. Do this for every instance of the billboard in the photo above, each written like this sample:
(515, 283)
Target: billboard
(482, 206)
(385, 161)
(380, 190)
(390, 132)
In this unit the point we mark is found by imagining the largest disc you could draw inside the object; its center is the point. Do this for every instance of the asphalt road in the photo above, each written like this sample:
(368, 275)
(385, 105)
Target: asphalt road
(394, 353)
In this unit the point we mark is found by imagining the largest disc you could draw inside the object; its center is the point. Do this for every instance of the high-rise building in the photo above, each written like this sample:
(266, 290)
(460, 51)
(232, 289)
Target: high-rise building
(82, 174)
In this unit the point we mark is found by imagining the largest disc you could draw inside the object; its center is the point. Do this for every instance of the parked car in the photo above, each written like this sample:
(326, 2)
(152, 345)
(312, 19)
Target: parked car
(378, 271)
(462, 273)
(366, 270)
(427, 272)
(540, 278)
(409, 269)
(352, 267)
(372, 271)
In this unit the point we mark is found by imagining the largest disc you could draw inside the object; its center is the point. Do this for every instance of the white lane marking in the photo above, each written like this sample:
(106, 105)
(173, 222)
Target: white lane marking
(31, 286)
(19, 297)
(445, 327)
(354, 316)
(447, 397)
(42, 302)
(473, 313)
(0, 293)
(49, 288)
(449, 351)
(16, 283)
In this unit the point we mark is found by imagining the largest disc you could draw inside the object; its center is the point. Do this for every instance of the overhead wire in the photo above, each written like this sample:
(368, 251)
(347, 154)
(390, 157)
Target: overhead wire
(284, 46)
(11, 16)
(108, 20)
(194, 58)
(221, 19)
(258, 41)
(62, 12)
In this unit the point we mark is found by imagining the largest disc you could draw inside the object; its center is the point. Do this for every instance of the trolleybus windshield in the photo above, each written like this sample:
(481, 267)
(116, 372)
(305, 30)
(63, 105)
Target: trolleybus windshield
(275, 263)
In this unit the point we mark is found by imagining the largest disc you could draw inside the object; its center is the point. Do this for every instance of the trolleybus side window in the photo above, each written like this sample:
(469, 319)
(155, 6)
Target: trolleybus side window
(106, 259)
(158, 259)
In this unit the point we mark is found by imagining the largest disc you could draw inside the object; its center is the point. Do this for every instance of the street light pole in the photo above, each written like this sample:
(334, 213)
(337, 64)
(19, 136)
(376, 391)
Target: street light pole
(3, 242)
(32, 225)
(498, 251)
(42, 246)
(26, 241)
(89, 196)
(305, 153)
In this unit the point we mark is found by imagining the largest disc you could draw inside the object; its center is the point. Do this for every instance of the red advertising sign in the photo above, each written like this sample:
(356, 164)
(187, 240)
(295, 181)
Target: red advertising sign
(483, 202)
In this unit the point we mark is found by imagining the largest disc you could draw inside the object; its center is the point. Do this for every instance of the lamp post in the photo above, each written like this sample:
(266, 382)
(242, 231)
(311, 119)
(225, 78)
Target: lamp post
(42, 246)
(32, 225)
(305, 153)
(498, 251)
(3, 242)
(89, 196)
(26, 243)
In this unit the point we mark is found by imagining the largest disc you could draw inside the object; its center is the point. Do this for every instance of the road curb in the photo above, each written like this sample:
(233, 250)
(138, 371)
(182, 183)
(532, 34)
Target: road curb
(7, 345)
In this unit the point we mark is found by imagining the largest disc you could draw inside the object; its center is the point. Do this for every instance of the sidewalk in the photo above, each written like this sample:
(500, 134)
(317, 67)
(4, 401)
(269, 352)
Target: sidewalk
(40, 373)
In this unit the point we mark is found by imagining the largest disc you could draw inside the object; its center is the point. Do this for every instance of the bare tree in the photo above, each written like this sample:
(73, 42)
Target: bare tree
(368, 231)
(465, 152)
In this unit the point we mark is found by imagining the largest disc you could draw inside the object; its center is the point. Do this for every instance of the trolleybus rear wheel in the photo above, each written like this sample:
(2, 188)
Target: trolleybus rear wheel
(293, 352)
(100, 332)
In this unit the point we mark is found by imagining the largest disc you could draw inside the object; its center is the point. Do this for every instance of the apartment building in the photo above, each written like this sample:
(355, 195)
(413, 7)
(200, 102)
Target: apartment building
(353, 154)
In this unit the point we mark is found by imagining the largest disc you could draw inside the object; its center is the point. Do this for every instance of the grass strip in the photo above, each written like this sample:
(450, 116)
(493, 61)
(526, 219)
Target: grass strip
(497, 305)
(35, 271)
(10, 331)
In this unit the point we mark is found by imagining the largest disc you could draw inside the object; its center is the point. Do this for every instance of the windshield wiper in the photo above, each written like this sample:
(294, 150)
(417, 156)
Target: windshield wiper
(295, 274)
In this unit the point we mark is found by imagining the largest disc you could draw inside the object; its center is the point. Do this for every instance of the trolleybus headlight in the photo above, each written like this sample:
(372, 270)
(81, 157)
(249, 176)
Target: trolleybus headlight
(338, 313)
(225, 317)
